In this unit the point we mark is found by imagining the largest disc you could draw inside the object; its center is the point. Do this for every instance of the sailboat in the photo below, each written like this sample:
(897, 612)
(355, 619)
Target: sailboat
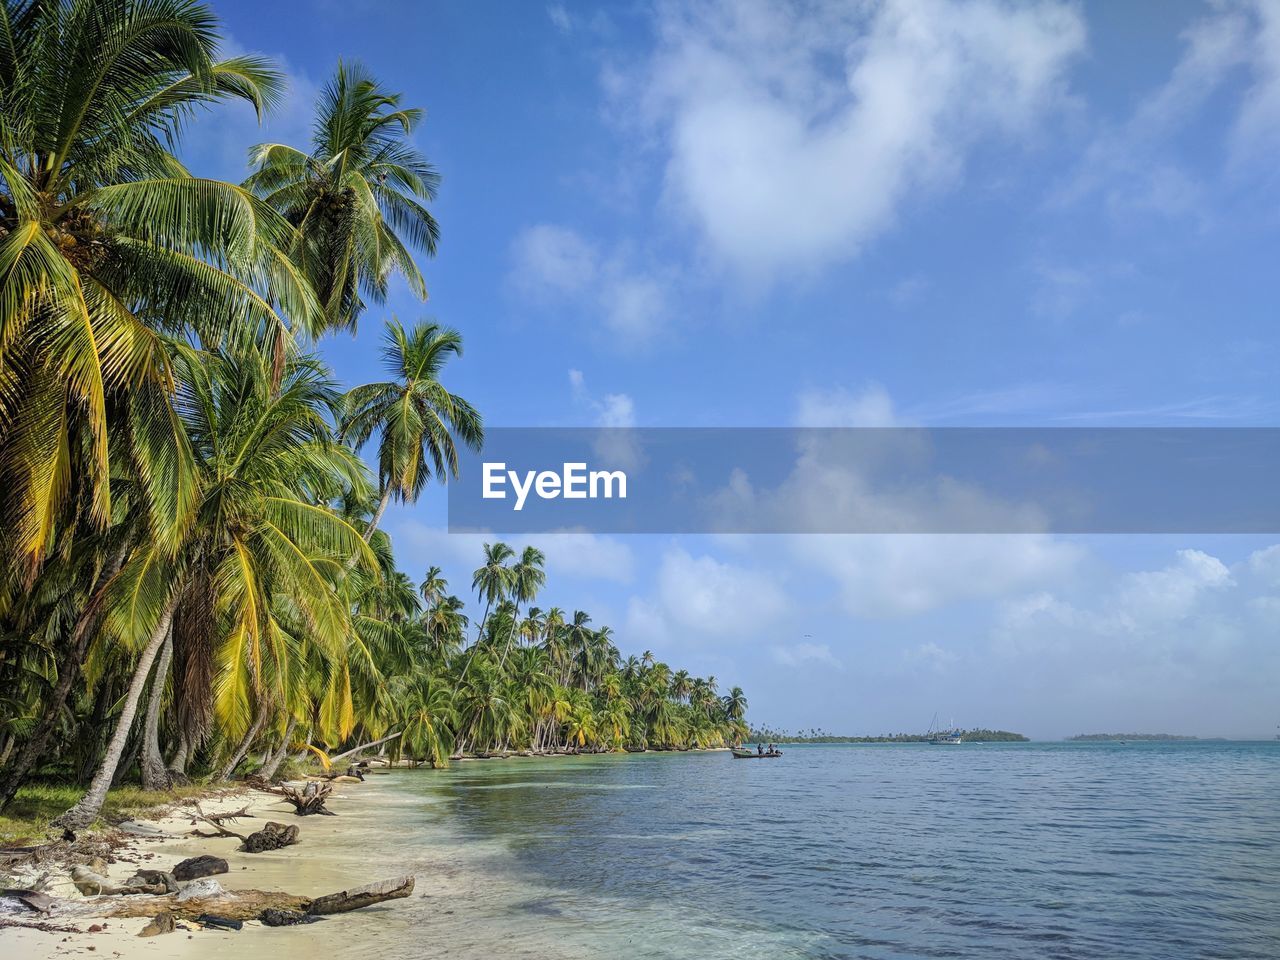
(937, 735)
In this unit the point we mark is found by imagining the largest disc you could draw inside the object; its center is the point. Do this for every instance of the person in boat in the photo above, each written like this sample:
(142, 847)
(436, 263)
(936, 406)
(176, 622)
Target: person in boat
(772, 748)
(759, 748)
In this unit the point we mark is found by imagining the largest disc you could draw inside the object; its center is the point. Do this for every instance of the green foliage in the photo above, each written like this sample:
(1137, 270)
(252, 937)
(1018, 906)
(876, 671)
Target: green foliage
(178, 474)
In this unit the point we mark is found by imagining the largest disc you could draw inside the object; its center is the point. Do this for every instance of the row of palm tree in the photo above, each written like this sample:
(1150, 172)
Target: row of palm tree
(535, 680)
(193, 578)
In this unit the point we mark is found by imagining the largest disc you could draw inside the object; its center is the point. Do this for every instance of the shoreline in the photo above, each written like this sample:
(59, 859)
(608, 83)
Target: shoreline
(312, 867)
(326, 858)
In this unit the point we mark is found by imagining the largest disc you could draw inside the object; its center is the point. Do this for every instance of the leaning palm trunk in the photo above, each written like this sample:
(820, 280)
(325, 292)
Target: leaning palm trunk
(155, 776)
(479, 638)
(32, 752)
(90, 805)
(269, 768)
(245, 743)
(377, 514)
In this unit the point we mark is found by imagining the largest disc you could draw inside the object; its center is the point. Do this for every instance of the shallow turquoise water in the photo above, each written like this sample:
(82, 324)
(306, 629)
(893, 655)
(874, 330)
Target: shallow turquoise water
(983, 851)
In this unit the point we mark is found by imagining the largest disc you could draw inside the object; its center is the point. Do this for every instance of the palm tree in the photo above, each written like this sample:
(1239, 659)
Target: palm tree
(578, 639)
(434, 586)
(357, 198)
(108, 245)
(425, 703)
(492, 582)
(416, 418)
(527, 578)
(268, 558)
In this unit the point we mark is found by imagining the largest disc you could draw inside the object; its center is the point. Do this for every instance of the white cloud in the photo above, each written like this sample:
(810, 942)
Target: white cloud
(559, 17)
(705, 598)
(610, 410)
(554, 264)
(1158, 596)
(800, 654)
(906, 575)
(553, 260)
(1144, 613)
(839, 407)
(784, 163)
(931, 656)
(1136, 167)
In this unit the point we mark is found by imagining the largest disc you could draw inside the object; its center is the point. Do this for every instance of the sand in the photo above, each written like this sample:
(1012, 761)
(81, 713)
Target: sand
(329, 857)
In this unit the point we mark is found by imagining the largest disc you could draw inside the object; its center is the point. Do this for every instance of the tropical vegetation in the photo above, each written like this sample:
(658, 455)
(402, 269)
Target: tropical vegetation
(194, 580)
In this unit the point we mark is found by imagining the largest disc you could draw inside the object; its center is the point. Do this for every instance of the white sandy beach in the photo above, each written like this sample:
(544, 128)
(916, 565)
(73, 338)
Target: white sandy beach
(331, 856)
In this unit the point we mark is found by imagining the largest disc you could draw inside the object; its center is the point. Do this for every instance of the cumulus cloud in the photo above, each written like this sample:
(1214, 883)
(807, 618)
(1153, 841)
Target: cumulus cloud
(840, 407)
(795, 133)
(802, 654)
(609, 410)
(553, 265)
(700, 597)
(907, 575)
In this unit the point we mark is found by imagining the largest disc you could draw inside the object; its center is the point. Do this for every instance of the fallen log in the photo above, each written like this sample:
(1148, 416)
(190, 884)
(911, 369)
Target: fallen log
(364, 746)
(347, 900)
(235, 904)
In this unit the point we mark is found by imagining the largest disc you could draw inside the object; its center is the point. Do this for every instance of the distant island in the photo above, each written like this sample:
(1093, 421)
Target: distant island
(766, 735)
(1130, 736)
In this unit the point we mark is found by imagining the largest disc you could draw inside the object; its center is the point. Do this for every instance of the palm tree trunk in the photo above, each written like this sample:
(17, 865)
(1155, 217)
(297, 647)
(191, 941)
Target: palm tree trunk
(273, 762)
(178, 765)
(372, 525)
(250, 735)
(479, 637)
(364, 746)
(515, 617)
(90, 805)
(377, 515)
(70, 664)
(155, 776)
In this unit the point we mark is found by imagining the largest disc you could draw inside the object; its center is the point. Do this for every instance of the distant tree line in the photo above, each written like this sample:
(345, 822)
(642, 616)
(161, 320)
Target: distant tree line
(1130, 736)
(769, 735)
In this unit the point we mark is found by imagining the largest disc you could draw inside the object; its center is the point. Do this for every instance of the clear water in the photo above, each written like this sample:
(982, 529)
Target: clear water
(982, 851)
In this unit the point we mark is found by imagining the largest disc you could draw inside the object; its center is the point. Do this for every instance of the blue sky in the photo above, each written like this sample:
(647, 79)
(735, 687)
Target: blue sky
(853, 214)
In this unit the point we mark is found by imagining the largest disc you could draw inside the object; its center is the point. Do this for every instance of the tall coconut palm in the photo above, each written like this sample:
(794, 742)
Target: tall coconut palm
(433, 587)
(269, 556)
(527, 578)
(579, 638)
(419, 423)
(107, 245)
(357, 198)
(492, 582)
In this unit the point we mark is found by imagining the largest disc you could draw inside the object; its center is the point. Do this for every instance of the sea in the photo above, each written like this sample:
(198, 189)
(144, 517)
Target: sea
(1022, 850)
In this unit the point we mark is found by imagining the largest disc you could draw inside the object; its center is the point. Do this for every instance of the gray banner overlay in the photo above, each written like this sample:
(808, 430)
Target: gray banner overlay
(874, 480)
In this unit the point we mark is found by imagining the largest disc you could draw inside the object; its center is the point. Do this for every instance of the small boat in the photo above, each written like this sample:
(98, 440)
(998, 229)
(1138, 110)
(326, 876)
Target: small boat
(753, 755)
(937, 735)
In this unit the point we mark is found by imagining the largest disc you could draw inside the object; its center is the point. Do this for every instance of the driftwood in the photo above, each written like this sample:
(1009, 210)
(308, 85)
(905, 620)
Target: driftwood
(364, 746)
(273, 836)
(31, 899)
(216, 821)
(238, 904)
(310, 799)
(347, 900)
